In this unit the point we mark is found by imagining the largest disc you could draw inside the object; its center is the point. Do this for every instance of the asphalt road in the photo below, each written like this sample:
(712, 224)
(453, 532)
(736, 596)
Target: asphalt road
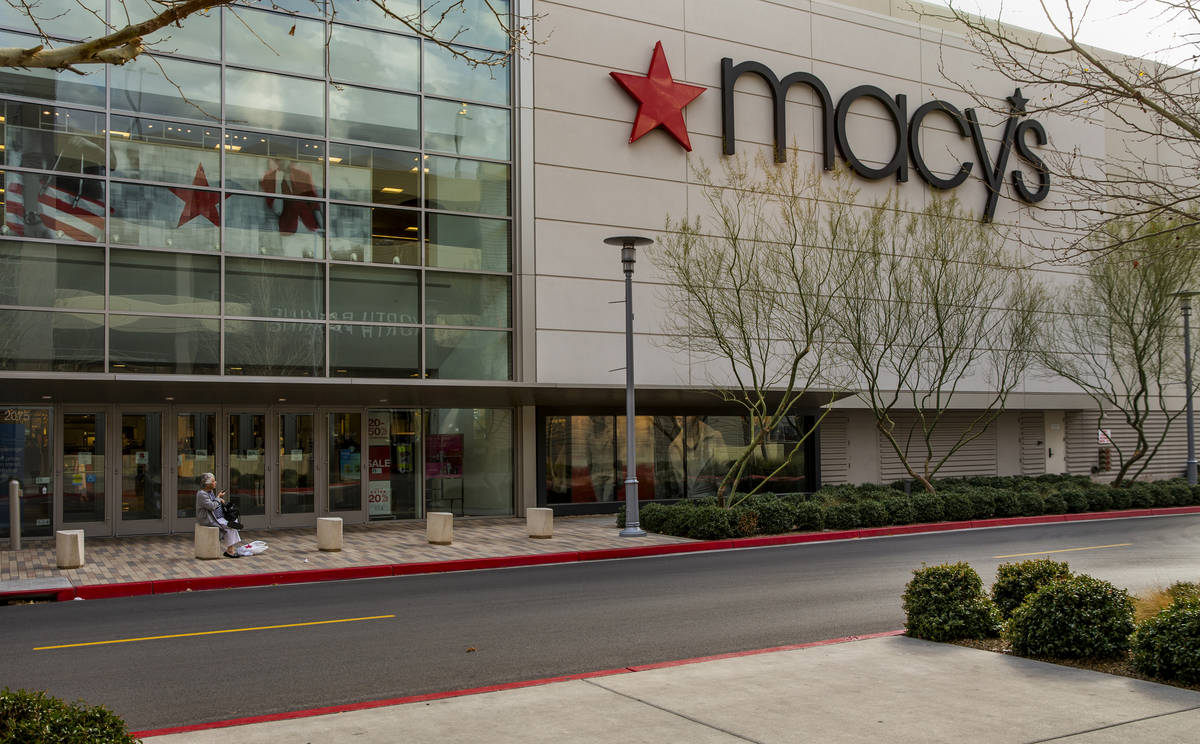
(465, 630)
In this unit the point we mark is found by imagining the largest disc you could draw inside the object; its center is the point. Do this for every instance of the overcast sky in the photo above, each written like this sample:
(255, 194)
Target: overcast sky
(1135, 27)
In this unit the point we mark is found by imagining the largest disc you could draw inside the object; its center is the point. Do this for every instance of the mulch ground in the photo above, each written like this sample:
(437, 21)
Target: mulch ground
(1122, 667)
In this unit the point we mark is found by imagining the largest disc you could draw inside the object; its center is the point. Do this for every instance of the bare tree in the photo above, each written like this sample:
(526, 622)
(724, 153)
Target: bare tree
(1152, 108)
(932, 304)
(751, 294)
(132, 22)
(1116, 334)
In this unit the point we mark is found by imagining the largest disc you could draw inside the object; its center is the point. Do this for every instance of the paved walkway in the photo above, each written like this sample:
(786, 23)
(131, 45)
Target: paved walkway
(890, 689)
(156, 557)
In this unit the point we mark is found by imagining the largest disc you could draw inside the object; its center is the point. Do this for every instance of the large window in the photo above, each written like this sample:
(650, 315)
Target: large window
(325, 195)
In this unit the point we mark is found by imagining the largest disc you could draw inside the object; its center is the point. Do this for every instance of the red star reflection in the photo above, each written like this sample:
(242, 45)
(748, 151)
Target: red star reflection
(660, 99)
(199, 203)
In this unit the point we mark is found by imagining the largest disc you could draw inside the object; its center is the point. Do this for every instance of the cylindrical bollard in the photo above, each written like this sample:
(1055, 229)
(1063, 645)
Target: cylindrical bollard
(14, 514)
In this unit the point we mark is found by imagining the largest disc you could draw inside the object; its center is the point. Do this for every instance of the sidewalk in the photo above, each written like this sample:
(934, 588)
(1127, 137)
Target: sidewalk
(881, 689)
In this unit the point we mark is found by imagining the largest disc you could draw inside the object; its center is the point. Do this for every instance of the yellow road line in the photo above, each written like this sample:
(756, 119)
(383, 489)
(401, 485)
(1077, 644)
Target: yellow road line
(212, 632)
(1064, 550)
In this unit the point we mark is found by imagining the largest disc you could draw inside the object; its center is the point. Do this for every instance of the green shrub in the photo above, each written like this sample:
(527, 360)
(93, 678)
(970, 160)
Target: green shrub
(1180, 493)
(1007, 503)
(899, 509)
(957, 506)
(678, 521)
(1056, 504)
(37, 718)
(1076, 618)
(1016, 581)
(1167, 645)
(872, 513)
(946, 603)
(1195, 498)
(841, 516)
(1141, 495)
(1100, 497)
(1122, 498)
(873, 492)
(1030, 503)
(809, 517)
(983, 503)
(710, 522)
(927, 507)
(1184, 591)
(774, 515)
(651, 516)
(621, 515)
(745, 521)
(1076, 500)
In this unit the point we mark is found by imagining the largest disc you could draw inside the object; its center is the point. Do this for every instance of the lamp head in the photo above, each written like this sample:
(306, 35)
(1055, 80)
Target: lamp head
(1185, 298)
(629, 244)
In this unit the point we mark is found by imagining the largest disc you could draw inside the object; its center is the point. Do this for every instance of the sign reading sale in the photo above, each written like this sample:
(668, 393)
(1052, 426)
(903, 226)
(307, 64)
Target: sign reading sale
(379, 463)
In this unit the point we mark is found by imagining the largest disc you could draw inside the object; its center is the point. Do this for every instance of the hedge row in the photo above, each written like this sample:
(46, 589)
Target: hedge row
(28, 717)
(848, 507)
(1043, 610)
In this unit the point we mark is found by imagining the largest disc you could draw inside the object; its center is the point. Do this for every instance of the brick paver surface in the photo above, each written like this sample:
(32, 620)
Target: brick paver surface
(146, 558)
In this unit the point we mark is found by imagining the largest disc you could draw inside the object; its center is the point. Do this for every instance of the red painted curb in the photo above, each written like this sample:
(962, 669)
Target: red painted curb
(202, 583)
(311, 712)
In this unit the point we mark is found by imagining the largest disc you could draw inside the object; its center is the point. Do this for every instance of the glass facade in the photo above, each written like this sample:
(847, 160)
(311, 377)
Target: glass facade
(243, 203)
(678, 457)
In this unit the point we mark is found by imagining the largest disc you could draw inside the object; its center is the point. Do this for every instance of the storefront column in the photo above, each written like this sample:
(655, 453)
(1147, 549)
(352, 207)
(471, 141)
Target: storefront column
(526, 456)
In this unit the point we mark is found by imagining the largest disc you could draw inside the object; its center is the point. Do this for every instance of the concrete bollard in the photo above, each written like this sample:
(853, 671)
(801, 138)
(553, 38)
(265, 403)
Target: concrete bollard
(208, 542)
(439, 528)
(68, 548)
(540, 522)
(329, 533)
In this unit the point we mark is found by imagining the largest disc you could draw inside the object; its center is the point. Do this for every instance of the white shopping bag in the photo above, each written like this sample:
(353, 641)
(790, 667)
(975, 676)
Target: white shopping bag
(252, 548)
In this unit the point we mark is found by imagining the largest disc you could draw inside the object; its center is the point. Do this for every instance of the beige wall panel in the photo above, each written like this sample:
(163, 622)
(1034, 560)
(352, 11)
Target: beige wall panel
(566, 86)
(702, 64)
(608, 41)
(834, 456)
(765, 24)
(592, 305)
(882, 45)
(572, 249)
(667, 13)
(559, 137)
(626, 202)
(1083, 445)
(578, 358)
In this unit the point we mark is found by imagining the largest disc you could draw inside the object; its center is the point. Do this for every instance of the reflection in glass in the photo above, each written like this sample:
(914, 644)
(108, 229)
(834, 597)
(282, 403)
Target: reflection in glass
(345, 461)
(449, 75)
(296, 439)
(374, 235)
(48, 275)
(270, 226)
(28, 431)
(141, 86)
(369, 294)
(466, 129)
(273, 41)
(374, 351)
(357, 55)
(196, 450)
(141, 466)
(467, 300)
(393, 460)
(371, 14)
(39, 135)
(456, 242)
(371, 174)
(466, 185)
(374, 116)
(154, 150)
(469, 461)
(469, 22)
(268, 101)
(51, 342)
(48, 84)
(69, 18)
(83, 467)
(157, 282)
(453, 354)
(247, 487)
(163, 345)
(274, 289)
(200, 36)
(54, 207)
(274, 163)
(166, 216)
(274, 348)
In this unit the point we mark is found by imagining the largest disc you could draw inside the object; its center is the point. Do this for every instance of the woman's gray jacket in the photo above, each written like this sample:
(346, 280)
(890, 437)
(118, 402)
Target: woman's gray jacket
(207, 505)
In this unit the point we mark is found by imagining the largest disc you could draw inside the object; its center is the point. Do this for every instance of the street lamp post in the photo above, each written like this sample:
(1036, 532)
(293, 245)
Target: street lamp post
(629, 244)
(1185, 303)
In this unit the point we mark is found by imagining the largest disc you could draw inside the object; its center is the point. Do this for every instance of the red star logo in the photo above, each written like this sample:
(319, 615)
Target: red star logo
(199, 203)
(660, 99)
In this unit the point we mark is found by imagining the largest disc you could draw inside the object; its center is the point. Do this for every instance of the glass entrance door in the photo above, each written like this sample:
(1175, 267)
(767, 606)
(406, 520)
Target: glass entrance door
(140, 473)
(295, 485)
(393, 452)
(85, 496)
(344, 471)
(247, 483)
(195, 454)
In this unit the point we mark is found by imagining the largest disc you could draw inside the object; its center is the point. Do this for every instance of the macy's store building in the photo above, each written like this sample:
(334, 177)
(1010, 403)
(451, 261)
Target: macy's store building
(372, 283)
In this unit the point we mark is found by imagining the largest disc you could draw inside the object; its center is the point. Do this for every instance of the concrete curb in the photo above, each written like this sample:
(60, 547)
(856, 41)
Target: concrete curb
(202, 583)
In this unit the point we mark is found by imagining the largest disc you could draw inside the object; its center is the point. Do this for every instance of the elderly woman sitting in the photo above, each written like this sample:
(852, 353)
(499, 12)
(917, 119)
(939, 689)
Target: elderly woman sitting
(208, 505)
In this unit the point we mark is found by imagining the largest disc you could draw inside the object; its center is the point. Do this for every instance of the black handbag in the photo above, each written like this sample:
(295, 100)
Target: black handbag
(232, 515)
